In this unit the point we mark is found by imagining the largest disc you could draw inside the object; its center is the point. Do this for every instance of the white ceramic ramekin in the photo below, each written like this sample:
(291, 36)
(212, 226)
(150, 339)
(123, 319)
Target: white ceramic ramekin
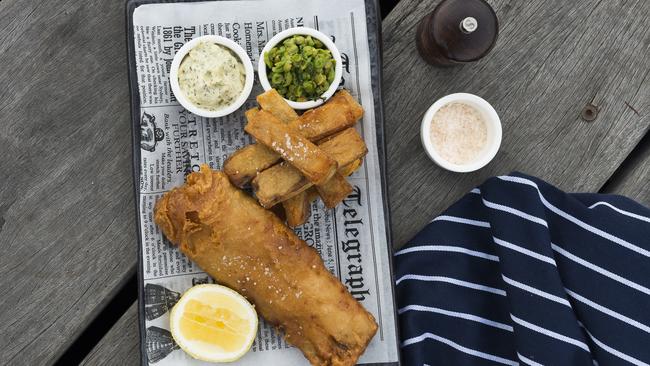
(492, 122)
(237, 50)
(338, 68)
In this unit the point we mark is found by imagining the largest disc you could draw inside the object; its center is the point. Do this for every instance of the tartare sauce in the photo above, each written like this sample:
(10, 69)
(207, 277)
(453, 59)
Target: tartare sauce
(211, 76)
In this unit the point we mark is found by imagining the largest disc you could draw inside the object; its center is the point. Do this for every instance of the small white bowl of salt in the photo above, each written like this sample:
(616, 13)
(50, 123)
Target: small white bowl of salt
(461, 132)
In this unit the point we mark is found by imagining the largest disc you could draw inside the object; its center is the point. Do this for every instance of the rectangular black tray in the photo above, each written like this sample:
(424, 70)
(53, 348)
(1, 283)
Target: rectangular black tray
(373, 22)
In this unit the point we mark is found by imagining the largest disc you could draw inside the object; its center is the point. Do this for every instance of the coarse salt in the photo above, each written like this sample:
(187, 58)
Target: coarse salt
(458, 133)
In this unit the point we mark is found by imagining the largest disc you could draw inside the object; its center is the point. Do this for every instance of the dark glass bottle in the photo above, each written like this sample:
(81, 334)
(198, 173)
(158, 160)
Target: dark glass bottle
(457, 32)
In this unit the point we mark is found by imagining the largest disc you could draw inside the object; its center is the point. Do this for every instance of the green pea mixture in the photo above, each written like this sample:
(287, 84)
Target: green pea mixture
(300, 68)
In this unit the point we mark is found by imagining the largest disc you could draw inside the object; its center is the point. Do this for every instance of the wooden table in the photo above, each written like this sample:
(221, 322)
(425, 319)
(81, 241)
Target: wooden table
(67, 233)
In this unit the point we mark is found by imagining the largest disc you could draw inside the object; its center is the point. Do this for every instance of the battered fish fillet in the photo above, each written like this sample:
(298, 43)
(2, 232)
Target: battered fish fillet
(248, 249)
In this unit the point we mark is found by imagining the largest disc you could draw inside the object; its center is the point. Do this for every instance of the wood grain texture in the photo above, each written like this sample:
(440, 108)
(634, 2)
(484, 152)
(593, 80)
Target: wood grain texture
(121, 345)
(551, 59)
(632, 179)
(68, 236)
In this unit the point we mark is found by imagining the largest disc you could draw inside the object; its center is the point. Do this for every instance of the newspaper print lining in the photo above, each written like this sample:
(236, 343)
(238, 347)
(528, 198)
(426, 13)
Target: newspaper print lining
(350, 238)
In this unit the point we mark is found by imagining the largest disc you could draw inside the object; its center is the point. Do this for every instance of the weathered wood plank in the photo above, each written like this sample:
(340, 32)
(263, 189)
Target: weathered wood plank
(520, 92)
(121, 344)
(67, 237)
(552, 58)
(65, 97)
(633, 177)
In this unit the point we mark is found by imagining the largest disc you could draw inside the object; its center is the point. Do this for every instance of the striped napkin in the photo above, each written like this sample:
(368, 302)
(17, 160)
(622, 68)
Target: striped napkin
(519, 272)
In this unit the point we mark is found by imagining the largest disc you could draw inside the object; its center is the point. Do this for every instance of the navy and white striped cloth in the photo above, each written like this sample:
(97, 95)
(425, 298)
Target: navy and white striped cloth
(520, 273)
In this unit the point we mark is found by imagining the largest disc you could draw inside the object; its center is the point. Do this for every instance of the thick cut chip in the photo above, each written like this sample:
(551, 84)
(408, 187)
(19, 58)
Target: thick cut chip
(340, 112)
(279, 183)
(283, 181)
(345, 147)
(245, 163)
(295, 149)
(272, 102)
(337, 188)
(334, 190)
(347, 170)
(297, 208)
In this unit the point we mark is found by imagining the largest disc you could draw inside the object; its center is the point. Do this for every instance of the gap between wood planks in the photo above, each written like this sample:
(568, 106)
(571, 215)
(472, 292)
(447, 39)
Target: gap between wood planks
(128, 294)
(641, 150)
(99, 326)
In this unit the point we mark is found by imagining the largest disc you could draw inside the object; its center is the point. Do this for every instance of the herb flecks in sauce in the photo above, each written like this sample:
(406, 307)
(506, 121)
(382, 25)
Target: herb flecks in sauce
(300, 68)
(211, 76)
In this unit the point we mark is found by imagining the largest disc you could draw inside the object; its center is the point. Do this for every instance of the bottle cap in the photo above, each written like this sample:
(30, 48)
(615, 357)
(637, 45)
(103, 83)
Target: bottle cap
(468, 25)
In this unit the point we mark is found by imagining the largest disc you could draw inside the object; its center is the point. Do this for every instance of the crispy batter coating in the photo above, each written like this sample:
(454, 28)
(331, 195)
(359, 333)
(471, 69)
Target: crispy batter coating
(248, 249)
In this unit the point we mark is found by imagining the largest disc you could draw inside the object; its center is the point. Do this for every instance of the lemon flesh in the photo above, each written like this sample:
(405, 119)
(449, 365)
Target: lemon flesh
(213, 323)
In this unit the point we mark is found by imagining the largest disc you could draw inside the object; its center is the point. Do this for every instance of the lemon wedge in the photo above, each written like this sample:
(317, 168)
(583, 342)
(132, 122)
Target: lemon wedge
(213, 323)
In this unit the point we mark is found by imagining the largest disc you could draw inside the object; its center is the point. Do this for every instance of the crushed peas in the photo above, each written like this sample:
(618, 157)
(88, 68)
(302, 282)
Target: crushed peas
(300, 68)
